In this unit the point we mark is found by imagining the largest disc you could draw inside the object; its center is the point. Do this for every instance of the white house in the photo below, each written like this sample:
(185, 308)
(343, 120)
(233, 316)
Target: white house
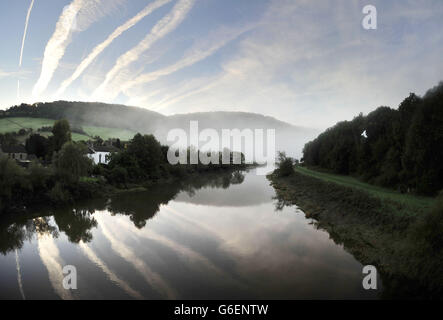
(16, 152)
(100, 154)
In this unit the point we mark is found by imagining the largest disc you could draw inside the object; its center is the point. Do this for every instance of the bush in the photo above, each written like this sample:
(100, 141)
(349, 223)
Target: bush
(117, 176)
(71, 162)
(14, 186)
(60, 195)
(285, 165)
(39, 176)
(430, 228)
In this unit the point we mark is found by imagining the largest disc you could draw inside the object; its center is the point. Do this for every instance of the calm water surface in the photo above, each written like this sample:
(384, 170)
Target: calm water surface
(218, 238)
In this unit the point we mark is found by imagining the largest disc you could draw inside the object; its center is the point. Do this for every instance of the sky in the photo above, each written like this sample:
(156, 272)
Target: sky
(310, 63)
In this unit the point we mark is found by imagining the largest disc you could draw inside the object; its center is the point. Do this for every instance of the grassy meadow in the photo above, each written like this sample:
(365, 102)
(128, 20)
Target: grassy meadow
(107, 133)
(15, 124)
(411, 202)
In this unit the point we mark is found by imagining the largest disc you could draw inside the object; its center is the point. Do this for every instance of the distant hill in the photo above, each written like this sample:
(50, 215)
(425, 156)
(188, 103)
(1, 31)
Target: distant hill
(290, 138)
(218, 119)
(92, 114)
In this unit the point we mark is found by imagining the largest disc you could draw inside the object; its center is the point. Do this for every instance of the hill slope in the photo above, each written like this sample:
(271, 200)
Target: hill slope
(288, 137)
(91, 114)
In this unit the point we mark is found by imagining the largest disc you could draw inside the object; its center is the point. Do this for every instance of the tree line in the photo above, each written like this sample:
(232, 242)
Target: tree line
(400, 149)
(77, 221)
(68, 174)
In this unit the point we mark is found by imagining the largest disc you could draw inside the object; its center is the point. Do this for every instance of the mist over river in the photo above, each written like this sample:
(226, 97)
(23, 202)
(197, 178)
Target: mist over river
(218, 237)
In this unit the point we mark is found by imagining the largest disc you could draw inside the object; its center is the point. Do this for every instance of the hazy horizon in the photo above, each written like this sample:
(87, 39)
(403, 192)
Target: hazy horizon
(183, 56)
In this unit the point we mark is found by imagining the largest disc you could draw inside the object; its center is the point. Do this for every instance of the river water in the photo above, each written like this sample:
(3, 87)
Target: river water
(218, 237)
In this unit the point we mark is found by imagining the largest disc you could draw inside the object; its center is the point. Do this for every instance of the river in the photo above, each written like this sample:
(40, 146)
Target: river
(218, 237)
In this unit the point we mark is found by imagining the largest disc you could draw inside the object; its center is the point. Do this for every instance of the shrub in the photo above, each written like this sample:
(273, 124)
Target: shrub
(430, 228)
(285, 165)
(71, 162)
(60, 195)
(117, 176)
(13, 184)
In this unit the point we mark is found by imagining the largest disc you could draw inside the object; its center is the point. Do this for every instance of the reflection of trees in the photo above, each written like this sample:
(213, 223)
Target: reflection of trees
(281, 203)
(143, 206)
(41, 226)
(13, 235)
(213, 180)
(237, 178)
(76, 224)
(400, 279)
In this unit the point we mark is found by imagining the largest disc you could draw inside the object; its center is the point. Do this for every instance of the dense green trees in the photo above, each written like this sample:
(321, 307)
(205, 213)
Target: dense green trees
(393, 148)
(145, 160)
(70, 175)
(61, 134)
(142, 159)
(71, 162)
(38, 145)
(285, 165)
(12, 180)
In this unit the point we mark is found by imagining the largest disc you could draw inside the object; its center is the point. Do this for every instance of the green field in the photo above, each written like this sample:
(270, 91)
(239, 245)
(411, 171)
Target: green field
(15, 124)
(108, 133)
(75, 136)
(408, 200)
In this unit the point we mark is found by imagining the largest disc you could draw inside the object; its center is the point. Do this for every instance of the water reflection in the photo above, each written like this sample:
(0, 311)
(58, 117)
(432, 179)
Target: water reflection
(50, 256)
(152, 278)
(111, 275)
(215, 237)
(19, 275)
(78, 222)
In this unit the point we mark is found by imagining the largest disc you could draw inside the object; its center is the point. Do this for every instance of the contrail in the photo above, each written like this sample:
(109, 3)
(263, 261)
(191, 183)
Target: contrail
(19, 275)
(102, 46)
(185, 251)
(161, 29)
(151, 277)
(23, 44)
(166, 102)
(25, 32)
(55, 49)
(111, 275)
(197, 53)
(50, 256)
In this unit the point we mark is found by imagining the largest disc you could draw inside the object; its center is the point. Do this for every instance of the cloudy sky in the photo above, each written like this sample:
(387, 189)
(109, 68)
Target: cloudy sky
(309, 63)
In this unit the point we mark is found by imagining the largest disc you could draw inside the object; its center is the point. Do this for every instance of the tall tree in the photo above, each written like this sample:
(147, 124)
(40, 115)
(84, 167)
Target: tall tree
(62, 133)
(37, 145)
(71, 162)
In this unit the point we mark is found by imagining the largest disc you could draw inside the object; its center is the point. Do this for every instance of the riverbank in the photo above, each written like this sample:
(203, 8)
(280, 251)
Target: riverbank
(378, 230)
(88, 188)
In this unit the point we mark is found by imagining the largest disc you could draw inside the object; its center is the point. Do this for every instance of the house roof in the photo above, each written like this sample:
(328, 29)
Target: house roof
(14, 149)
(105, 149)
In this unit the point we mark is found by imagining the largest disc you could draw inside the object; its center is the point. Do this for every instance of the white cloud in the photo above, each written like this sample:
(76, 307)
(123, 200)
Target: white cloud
(55, 49)
(28, 15)
(200, 51)
(102, 46)
(20, 74)
(166, 25)
(312, 64)
(76, 17)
